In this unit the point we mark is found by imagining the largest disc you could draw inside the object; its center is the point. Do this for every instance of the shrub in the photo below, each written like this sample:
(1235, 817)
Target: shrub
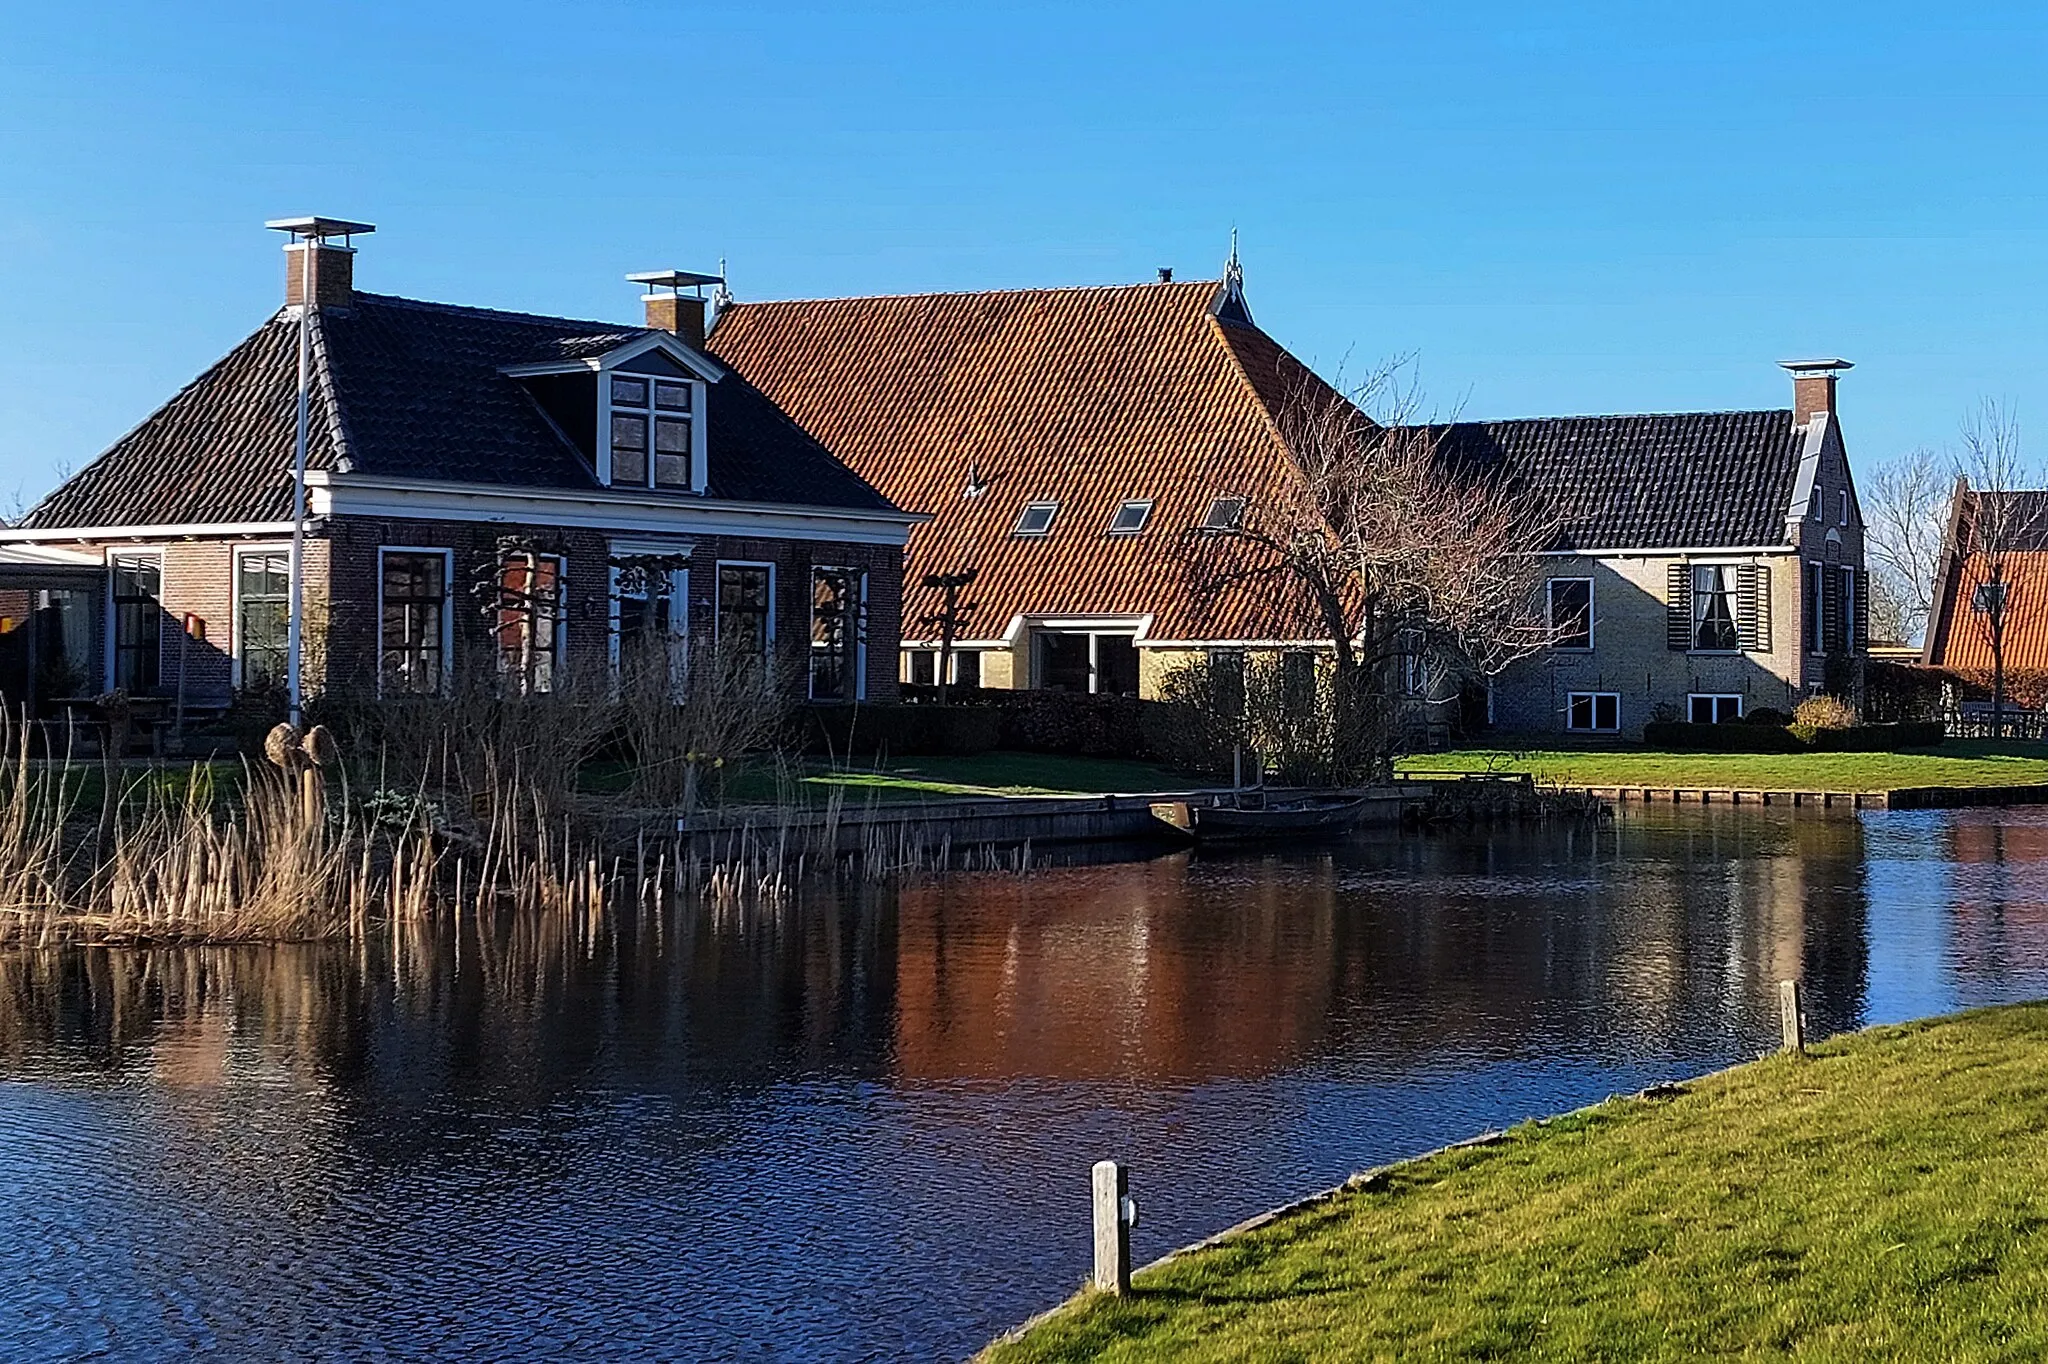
(1766, 715)
(900, 731)
(1824, 712)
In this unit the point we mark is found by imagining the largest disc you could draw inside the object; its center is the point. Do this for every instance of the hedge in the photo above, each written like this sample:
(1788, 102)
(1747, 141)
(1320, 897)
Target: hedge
(978, 720)
(1740, 738)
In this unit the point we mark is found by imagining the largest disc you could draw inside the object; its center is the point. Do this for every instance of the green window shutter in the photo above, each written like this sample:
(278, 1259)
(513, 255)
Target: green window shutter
(1753, 607)
(1831, 609)
(1862, 626)
(1678, 607)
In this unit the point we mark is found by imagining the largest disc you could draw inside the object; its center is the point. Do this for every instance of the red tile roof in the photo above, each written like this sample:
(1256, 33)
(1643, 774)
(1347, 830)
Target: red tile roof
(1962, 637)
(1087, 396)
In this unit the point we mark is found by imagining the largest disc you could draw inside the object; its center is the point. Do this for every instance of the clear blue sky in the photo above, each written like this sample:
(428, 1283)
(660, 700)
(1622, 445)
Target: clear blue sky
(1588, 208)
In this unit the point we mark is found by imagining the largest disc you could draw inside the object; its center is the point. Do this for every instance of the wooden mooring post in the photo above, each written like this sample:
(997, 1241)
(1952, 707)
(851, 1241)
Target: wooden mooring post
(1790, 1019)
(1116, 1212)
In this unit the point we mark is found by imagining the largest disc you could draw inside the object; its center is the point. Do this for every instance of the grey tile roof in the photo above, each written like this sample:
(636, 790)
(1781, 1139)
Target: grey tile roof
(1680, 480)
(414, 390)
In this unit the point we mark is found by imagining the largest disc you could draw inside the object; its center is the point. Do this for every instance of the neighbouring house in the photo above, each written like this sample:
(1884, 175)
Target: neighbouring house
(1707, 564)
(532, 494)
(1992, 580)
(1066, 442)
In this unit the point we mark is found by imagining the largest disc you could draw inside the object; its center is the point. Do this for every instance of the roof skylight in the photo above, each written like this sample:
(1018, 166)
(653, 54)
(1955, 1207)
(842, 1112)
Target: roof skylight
(1036, 518)
(1131, 517)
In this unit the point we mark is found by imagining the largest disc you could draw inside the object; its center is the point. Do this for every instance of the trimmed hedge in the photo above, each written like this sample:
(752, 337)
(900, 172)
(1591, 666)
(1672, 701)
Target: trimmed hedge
(1741, 738)
(976, 721)
(905, 731)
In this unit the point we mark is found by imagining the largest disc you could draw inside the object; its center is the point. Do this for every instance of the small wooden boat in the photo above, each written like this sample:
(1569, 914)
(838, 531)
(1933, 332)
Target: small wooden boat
(1304, 819)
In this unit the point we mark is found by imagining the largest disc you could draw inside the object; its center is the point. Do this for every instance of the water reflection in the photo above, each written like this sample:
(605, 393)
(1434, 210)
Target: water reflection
(859, 1127)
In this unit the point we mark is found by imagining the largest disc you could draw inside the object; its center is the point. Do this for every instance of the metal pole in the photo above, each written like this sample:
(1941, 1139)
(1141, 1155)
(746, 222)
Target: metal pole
(294, 626)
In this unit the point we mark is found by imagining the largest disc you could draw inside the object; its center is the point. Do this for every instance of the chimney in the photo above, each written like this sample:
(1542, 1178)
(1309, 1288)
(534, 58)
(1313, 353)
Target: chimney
(674, 311)
(328, 277)
(1813, 387)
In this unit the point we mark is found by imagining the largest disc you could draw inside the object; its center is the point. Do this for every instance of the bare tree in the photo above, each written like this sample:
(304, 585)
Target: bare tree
(1999, 517)
(1904, 520)
(1393, 547)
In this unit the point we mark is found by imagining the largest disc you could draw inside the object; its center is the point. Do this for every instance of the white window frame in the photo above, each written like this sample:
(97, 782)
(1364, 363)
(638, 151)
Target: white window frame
(1845, 506)
(107, 641)
(1046, 505)
(561, 649)
(1145, 504)
(1717, 697)
(860, 635)
(447, 613)
(717, 603)
(1572, 697)
(1236, 521)
(699, 444)
(1813, 608)
(1734, 607)
(1550, 608)
(241, 551)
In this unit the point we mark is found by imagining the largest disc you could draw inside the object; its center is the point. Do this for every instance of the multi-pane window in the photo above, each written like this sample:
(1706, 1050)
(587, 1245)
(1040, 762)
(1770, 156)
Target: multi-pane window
(1713, 608)
(1298, 682)
(1131, 517)
(138, 622)
(1593, 711)
(527, 622)
(1816, 614)
(263, 604)
(746, 609)
(1571, 613)
(836, 630)
(650, 631)
(1713, 709)
(650, 435)
(412, 639)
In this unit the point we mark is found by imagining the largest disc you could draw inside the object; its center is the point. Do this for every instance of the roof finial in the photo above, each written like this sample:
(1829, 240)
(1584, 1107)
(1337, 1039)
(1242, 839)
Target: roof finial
(721, 297)
(1233, 272)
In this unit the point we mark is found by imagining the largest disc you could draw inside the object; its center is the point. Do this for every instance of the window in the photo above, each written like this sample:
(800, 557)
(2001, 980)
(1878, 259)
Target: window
(1226, 681)
(137, 582)
(1845, 629)
(1036, 518)
(1713, 709)
(967, 668)
(1713, 608)
(746, 607)
(263, 601)
(1593, 711)
(412, 646)
(1845, 506)
(651, 617)
(1298, 682)
(1131, 517)
(838, 633)
(527, 621)
(1987, 598)
(1225, 513)
(923, 670)
(1571, 613)
(651, 432)
(1813, 504)
(1816, 637)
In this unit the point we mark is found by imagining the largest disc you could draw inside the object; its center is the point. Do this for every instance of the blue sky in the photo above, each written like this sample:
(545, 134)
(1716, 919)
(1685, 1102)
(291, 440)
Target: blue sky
(1556, 209)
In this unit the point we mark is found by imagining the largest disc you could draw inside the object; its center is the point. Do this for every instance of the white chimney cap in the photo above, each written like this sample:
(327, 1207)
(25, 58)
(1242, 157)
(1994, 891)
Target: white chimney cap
(320, 229)
(1815, 366)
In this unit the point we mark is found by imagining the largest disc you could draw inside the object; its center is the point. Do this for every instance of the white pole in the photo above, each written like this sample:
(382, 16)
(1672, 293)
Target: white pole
(294, 629)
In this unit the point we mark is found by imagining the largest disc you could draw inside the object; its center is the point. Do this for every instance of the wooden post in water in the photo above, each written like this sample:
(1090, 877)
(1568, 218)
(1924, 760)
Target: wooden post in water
(1789, 1017)
(1112, 1184)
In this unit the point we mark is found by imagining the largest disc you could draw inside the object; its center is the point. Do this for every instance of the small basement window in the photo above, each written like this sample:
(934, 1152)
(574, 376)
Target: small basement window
(1225, 513)
(1036, 518)
(1703, 708)
(1131, 517)
(1593, 711)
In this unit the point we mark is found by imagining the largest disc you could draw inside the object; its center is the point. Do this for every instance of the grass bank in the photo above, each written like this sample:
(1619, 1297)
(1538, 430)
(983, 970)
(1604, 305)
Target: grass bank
(1959, 762)
(1883, 1198)
(813, 782)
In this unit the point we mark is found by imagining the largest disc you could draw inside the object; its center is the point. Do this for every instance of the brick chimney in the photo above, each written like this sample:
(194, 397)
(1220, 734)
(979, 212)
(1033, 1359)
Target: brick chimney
(315, 264)
(1813, 387)
(669, 309)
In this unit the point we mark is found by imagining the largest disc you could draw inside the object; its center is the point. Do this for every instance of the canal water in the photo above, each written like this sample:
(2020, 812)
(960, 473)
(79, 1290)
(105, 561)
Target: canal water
(860, 1127)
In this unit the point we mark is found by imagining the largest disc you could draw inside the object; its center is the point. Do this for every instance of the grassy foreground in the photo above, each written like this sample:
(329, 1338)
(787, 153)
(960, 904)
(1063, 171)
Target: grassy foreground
(1959, 762)
(1885, 1198)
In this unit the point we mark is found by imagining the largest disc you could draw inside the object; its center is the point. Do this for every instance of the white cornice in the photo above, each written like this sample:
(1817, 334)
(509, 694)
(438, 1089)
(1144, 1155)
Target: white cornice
(615, 511)
(180, 530)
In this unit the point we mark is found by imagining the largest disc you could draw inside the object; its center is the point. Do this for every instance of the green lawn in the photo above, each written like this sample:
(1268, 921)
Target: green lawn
(999, 774)
(1958, 762)
(1885, 1198)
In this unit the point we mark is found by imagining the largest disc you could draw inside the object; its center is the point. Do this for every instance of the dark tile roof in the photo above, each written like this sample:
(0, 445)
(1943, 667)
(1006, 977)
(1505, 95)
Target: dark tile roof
(414, 390)
(1680, 480)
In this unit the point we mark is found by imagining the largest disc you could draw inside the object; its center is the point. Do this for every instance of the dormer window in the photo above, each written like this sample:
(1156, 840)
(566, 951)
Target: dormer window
(1131, 517)
(650, 432)
(1036, 518)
